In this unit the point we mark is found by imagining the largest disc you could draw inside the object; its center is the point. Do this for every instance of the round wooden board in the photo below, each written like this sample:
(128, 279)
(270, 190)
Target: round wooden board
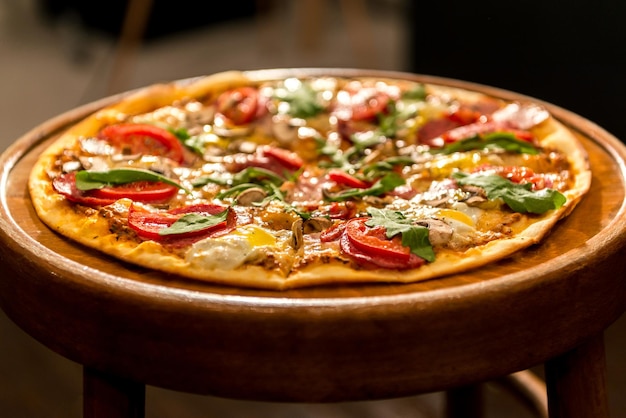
(326, 343)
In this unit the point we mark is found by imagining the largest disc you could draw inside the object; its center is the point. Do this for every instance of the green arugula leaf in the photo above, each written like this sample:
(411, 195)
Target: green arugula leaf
(235, 190)
(395, 223)
(303, 101)
(386, 184)
(388, 123)
(252, 174)
(365, 140)
(247, 175)
(519, 197)
(204, 180)
(248, 178)
(351, 159)
(181, 133)
(380, 168)
(199, 143)
(92, 180)
(192, 222)
(495, 140)
(416, 93)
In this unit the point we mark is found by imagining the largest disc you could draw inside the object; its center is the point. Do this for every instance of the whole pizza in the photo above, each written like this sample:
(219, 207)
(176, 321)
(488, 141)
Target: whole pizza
(278, 180)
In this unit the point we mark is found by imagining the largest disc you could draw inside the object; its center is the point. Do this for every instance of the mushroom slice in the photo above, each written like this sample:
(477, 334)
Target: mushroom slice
(285, 128)
(251, 196)
(297, 237)
(476, 195)
(316, 224)
(475, 200)
(439, 232)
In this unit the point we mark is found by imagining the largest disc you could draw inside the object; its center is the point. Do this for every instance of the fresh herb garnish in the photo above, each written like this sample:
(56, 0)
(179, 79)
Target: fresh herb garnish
(399, 112)
(192, 222)
(416, 93)
(252, 177)
(388, 123)
(252, 174)
(181, 133)
(302, 99)
(247, 175)
(247, 178)
(413, 236)
(92, 180)
(496, 140)
(235, 190)
(519, 197)
(338, 158)
(385, 184)
(380, 168)
(350, 159)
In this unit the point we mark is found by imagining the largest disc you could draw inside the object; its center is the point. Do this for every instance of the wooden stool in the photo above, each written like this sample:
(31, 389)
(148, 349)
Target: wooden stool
(131, 327)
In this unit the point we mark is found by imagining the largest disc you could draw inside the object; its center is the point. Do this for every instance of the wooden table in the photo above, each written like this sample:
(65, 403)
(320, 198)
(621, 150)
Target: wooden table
(130, 327)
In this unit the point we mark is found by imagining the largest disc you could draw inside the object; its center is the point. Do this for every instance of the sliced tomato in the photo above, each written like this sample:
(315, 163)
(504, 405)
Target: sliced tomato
(467, 131)
(371, 248)
(131, 138)
(370, 106)
(286, 158)
(277, 160)
(239, 105)
(430, 133)
(478, 128)
(519, 175)
(361, 103)
(373, 240)
(345, 179)
(342, 210)
(465, 115)
(333, 233)
(139, 191)
(439, 132)
(148, 224)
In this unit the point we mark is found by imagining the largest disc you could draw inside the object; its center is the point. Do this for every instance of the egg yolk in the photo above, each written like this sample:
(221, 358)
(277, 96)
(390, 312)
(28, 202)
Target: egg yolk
(255, 235)
(456, 215)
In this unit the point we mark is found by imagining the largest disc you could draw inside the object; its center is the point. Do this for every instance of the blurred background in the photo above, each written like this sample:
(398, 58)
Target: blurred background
(58, 54)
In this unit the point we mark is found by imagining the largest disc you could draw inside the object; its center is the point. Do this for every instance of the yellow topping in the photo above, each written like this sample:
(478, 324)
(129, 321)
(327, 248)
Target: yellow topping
(456, 215)
(255, 236)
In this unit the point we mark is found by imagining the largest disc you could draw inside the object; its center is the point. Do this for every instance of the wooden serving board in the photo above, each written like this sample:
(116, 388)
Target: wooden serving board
(324, 343)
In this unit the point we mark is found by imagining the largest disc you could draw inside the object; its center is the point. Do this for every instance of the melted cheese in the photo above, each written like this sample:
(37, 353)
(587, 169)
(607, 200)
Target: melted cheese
(248, 242)
(219, 253)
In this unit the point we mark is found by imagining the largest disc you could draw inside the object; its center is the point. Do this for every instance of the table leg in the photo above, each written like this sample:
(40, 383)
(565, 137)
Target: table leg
(466, 402)
(576, 382)
(106, 396)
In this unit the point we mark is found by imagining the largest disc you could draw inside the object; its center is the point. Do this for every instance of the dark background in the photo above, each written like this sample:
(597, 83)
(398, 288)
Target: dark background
(167, 17)
(569, 53)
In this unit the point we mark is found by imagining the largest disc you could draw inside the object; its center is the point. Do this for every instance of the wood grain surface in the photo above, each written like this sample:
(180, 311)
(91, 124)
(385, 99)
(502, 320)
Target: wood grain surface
(327, 343)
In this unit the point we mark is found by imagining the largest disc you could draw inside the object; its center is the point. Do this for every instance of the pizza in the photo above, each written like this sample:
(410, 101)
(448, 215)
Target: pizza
(279, 180)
